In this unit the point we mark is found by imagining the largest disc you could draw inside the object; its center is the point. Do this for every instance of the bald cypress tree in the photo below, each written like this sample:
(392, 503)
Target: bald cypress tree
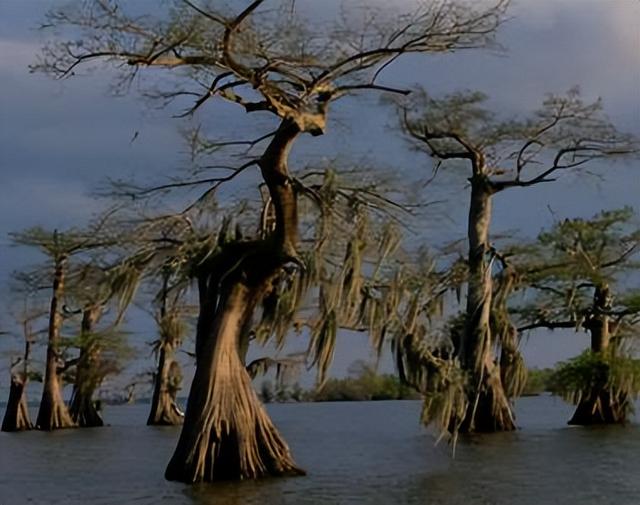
(167, 377)
(577, 274)
(16, 416)
(265, 59)
(458, 132)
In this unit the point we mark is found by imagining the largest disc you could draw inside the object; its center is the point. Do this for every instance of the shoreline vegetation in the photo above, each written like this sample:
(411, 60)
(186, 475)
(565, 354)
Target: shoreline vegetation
(363, 385)
(368, 385)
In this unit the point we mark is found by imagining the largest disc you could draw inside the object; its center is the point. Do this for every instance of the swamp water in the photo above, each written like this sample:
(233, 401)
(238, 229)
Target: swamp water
(354, 453)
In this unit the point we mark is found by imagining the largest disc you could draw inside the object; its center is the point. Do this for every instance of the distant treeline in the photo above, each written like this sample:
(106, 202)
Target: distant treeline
(368, 385)
(538, 381)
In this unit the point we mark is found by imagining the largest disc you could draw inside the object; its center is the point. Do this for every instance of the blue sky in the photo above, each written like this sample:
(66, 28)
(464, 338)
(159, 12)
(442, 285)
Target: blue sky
(59, 139)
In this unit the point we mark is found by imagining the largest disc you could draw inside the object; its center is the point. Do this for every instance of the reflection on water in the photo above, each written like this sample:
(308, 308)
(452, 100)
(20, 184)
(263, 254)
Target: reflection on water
(355, 453)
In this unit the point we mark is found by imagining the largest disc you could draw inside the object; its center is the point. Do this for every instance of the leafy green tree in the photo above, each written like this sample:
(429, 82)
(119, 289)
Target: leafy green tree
(580, 273)
(363, 384)
(538, 381)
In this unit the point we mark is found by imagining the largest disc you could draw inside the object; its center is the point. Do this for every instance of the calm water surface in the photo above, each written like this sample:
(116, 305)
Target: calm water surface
(355, 453)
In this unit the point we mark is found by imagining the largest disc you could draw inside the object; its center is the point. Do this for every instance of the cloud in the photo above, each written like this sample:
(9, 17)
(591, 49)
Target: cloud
(59, 138)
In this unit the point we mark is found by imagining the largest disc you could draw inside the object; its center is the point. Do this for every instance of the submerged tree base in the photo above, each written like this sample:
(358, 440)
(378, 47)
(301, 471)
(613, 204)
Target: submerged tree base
(16, 417)
(165, 413)
(227, 433)
(53, 413)
(234, 439)
(85, 413)
(600, 409)
(489, 411)
(601, 384)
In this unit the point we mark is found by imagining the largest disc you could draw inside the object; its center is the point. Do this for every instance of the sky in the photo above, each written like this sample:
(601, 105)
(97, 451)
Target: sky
(60, 139)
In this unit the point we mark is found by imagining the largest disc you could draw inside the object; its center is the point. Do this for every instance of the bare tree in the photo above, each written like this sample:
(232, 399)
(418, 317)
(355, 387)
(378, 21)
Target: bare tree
(565, 134)
(264, 60)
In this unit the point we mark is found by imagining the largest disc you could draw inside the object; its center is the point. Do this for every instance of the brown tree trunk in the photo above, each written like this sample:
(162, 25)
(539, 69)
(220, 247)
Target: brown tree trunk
(602, 405)
(16, 416)
(165, 410)
(53, 413)
(489, 408)
(227, 433)
(83, 408)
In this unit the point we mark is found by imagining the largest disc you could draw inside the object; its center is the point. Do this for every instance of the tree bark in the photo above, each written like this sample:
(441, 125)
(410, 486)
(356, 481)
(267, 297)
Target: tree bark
(165, 410)
(16, 416)
(83, 408)
(53, 413)
(227, 433)
(601, 405)
(489, 408)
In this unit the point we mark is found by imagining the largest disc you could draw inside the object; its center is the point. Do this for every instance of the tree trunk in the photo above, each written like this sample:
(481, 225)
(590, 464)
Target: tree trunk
(16, 416)
(601, 406)
(53, 413)
(227, 433)
(489, 408)
(83, 408)
(168, 377)
(165, 410)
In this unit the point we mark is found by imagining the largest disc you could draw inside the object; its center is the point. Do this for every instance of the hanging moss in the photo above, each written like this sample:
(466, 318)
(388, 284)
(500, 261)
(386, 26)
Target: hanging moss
(609, 383)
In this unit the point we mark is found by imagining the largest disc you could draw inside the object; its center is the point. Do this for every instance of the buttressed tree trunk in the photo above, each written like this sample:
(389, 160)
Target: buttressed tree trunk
(165, 410)
(227, 433)
(16, 416)
(83, 407)
(489, 408)
(168, 377)
(166, 385)
(53, 413)
(602, 405)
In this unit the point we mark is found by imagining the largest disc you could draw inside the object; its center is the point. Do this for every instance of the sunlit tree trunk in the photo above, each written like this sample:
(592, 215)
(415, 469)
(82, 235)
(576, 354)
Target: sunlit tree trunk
(167, 379)
(83, 407)
(603, 405)
(165, 410)
(53, 413)
(227, 433)
(489, 408)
